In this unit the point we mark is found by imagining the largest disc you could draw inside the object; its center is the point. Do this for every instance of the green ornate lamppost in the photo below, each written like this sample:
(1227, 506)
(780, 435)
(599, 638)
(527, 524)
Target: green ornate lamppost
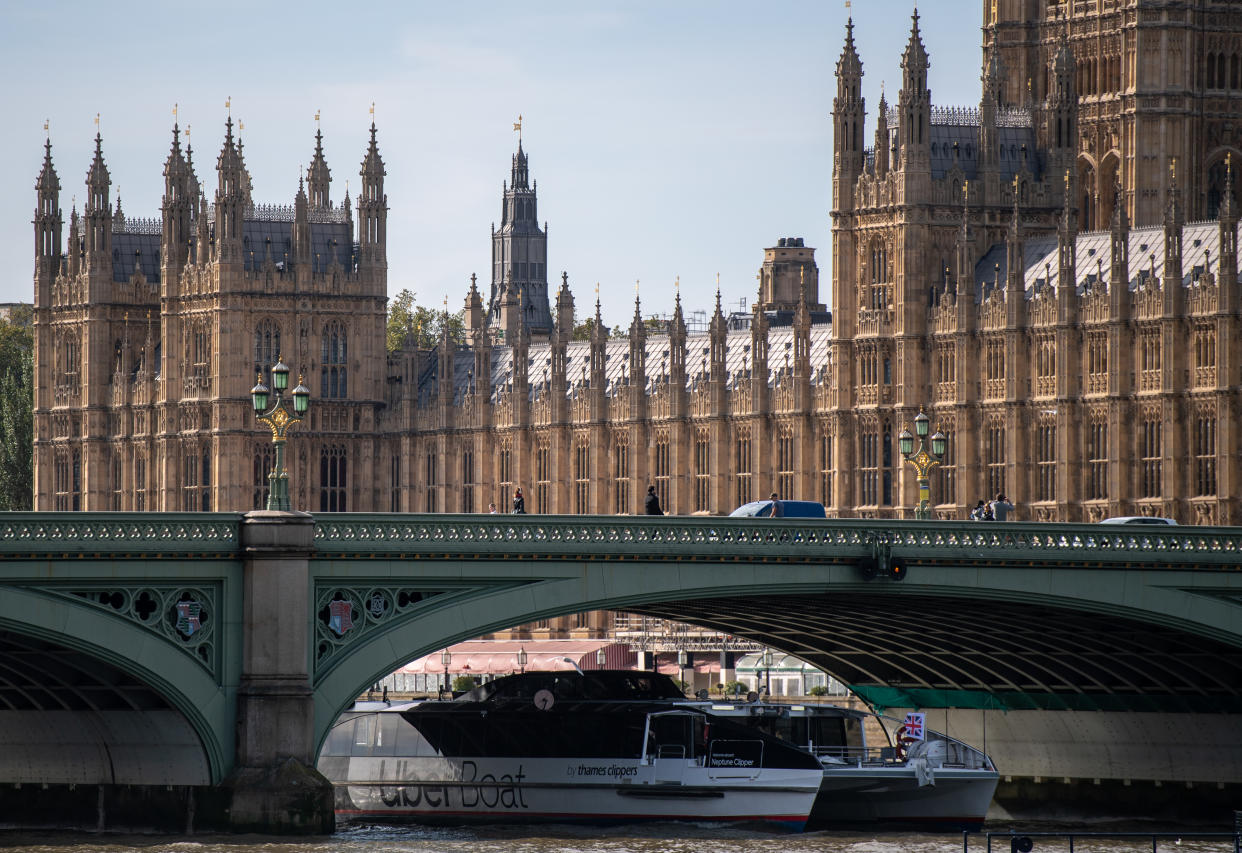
(923, 459)
(280, 419)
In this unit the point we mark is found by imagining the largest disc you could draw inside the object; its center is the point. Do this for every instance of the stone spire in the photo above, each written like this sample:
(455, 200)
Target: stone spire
(97, 215)
(882, 141)
(47, 225)
(176, 210)
(230, 198)
(914, 102)
(301, 236)
(1228, 278)
(718, 332)
(318, 175)
(372, 208)
(1174, 220)
(677, 345)
(638, 346)
(848, 112)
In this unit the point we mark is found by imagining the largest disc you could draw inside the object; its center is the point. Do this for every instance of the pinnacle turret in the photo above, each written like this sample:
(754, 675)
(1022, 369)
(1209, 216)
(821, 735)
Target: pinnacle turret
(318, 175)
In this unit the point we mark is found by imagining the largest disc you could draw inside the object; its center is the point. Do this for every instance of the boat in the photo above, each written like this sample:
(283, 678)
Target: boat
(877, 769)
(603, 746)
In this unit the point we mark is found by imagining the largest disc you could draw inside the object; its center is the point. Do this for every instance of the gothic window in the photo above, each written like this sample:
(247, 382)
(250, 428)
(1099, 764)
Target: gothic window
(1097, 363)
(662, 468)
(702, 470)
(334, 479)
(741, 464)
(785, 464)
(944, 475)
(189, 482)
(621, 474)
(504, 458)
(582, 475)
(944, 364)
(994, 457)
(876, 294)
(264, 461)
(394, 479)
(1045, 367)
(886, 465)
(200, 351)
(467, 479)
(1097, 459)
(825, 468)
(1150, 450)
(1205, 356)
(140, 485)
(117, 477)
(1205, 455)
(869, 466)
(994, 360)
(333, 380)
(62, 481)
(266, 349)
(1046, 462)
(543, 477)
(429, 480)
(1149, 360)
(68, 360)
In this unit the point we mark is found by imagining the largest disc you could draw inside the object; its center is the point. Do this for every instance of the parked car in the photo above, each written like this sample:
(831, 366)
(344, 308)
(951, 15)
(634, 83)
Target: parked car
(1138, 519)
(789, 509)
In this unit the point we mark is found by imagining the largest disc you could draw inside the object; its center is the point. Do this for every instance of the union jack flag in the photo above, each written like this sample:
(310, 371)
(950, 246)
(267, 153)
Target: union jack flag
(916, 725)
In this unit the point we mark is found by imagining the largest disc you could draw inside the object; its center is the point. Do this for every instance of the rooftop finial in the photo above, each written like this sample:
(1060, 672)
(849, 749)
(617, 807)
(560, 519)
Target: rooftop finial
(517, 125)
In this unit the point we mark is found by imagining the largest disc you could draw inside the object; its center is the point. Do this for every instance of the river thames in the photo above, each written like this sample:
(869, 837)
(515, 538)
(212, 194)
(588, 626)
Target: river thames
(660, 838)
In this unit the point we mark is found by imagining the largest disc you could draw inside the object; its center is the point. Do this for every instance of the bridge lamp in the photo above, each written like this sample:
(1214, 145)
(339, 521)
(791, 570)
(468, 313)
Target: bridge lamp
(767, 671)
(446, 658)
(683, 660)
(521, 659)
(923, 459)
(601, 658)
(280, 418)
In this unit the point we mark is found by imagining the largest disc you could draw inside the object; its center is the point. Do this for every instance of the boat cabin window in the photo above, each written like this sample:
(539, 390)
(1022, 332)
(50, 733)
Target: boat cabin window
(836, 732)
(677, 736)
(376, 734)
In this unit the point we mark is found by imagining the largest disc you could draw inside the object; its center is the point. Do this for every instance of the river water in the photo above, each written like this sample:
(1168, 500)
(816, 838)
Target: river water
(659, 838)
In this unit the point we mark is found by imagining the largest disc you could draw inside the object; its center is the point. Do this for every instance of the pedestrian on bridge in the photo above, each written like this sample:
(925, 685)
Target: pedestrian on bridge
(652, 504)
(1001, 507)
(519, 503)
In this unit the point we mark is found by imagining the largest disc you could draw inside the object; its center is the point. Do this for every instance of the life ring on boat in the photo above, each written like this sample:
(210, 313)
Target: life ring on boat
(902, 739)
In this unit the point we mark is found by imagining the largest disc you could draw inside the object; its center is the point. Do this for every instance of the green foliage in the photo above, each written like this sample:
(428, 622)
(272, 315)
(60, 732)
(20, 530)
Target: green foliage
(734, 688)
(583, 331)
(412, 325)
(400, 319)
(818, 690)
(17, 413)
(463, 683)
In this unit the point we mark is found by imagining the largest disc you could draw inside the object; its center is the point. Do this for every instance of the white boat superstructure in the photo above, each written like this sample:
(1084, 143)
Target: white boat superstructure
(555, 747)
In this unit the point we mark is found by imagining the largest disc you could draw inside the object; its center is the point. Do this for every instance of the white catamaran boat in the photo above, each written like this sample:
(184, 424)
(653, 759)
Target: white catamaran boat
(602, 746)
(910, 776)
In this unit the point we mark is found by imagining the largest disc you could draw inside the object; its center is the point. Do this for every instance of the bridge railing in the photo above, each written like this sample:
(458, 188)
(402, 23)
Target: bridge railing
(364, 535)
(714, 537)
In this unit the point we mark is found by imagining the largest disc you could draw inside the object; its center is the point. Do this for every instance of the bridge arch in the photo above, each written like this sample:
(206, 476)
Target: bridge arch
(109, 677)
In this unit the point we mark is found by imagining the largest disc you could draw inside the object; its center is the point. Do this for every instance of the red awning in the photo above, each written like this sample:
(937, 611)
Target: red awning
(499, 657)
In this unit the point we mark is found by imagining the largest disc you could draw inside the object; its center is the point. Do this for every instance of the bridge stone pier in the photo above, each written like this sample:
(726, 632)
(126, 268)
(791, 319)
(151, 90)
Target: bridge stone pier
(181, 670)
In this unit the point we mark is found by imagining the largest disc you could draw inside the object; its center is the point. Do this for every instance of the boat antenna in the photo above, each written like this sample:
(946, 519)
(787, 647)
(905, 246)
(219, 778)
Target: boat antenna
(574, 664)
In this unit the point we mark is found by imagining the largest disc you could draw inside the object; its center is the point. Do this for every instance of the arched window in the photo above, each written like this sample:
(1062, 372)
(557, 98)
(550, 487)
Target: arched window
(334, 376)
(266, 349)
(333, 479)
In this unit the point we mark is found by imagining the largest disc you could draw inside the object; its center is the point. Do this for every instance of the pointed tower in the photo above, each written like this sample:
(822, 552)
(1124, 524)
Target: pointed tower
(677, 347)
(1119, 256)
(883, 140)
(1174, 222)
(561, 335)
(97, 225)
(47, 225)
(520, 249)
(230, 199)
(75, 246)
(848, 114)
(1061, 110)
(177, 215)
(638, 347)
(914, 103)
(1228, 278)
(989, 145)
(301, 236)
(318, 176)
(373, 220)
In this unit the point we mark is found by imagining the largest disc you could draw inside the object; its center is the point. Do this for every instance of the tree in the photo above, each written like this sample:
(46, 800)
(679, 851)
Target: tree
(16, 415)
(414, 325)
(400, 319)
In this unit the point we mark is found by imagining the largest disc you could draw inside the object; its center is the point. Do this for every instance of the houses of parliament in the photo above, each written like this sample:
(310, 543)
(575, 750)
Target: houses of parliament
(1051, 274)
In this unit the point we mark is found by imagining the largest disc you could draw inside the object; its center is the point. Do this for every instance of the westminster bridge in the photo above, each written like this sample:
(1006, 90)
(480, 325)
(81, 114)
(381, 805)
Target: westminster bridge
(209, 653)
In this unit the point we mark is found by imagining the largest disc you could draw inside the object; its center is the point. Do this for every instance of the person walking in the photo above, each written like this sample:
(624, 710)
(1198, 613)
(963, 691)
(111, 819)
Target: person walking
(778, 511)
(652, 505)
(519, 503)
(491, 509)
(981, 512)
(1001, 507)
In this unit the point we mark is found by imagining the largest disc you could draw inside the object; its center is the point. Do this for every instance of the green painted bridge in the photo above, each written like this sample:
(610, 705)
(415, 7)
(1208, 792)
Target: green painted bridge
(182, 649)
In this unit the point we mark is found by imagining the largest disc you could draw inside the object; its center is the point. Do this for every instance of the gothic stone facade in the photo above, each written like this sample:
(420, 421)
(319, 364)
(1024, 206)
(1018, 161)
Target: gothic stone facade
(1058, 316)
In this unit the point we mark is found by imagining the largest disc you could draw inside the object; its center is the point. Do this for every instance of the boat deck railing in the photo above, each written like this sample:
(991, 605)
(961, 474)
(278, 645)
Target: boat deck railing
(1025, 842)
(956, 755)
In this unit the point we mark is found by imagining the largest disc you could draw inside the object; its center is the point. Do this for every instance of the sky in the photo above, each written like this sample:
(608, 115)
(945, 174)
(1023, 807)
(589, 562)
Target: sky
(671, 139)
